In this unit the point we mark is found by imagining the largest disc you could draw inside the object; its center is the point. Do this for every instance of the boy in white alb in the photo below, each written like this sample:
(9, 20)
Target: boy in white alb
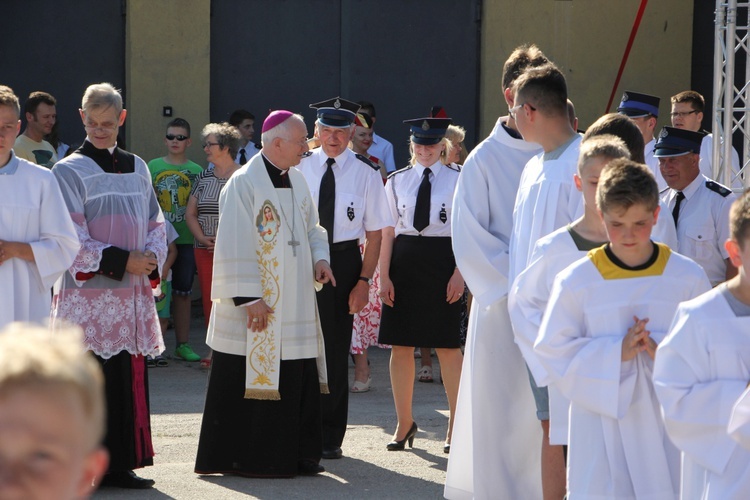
(528, 296)
(594, 343)
(702, 368)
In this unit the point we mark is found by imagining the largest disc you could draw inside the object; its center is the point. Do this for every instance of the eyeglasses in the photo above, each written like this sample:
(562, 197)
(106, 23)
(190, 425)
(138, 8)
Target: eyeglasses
(681, 114)
(209, 144)
(180, 138)
(102, 128)
(512, 111)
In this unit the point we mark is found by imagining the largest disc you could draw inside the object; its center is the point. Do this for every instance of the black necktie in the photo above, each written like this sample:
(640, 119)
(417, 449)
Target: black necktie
(327, 199)
(422, 210)
(243, 158)
(676, 209)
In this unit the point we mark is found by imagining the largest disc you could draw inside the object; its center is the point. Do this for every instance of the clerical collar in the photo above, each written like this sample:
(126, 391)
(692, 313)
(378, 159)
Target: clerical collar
(111, 149)
(116, 162)
(279, 177)
(650, 262)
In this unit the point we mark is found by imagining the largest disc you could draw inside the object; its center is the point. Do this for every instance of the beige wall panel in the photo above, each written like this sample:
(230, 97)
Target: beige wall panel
(587, 39)
(167, 64)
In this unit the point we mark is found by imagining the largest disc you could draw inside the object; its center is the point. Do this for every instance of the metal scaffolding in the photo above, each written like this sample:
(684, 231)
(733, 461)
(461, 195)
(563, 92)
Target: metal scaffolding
(730, 103)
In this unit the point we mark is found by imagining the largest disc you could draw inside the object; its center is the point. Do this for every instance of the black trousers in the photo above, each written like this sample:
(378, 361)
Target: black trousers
(255, 437)
(333, 306)
(125, 439)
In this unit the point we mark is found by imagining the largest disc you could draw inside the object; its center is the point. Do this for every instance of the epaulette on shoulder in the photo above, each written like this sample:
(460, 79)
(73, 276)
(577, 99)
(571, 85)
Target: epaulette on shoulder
(718, 188)
(454, 166)
(366, 161)
(400, 171)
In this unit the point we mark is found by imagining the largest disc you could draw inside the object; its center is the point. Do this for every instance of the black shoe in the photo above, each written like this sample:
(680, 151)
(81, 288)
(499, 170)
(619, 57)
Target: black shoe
(447, 448)
(126, 479)
(332, 453)
(309, 468)
(400, 445)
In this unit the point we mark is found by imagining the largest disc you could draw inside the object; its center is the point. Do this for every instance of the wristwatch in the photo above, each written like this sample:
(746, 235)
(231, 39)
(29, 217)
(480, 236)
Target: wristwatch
(366, 280)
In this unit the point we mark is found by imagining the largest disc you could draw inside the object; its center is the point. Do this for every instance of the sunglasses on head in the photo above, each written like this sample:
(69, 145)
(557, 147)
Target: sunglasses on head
(180, 138)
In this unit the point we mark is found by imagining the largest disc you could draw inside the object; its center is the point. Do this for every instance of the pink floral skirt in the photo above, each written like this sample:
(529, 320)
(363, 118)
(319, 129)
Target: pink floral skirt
(367, 323)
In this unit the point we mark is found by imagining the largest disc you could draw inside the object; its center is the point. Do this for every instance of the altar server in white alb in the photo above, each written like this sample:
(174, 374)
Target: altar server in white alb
(547, 200)
(530, 292)
(262, 413)
(492, 410)
(38, 241)
(702, 368)
(699, 206)
(598, 338)
(739, 420)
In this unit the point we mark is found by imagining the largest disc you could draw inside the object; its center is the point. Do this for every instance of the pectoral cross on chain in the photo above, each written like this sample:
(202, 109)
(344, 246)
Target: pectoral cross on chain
(294, 244)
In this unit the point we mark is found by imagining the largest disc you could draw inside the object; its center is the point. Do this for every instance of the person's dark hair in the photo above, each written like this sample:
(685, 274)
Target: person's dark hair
(690, 96)
(524, 56)
(544, 88)
(180, 123)
(37, 98)
(367, 107)
(226, 135)
(8, 98)
(624, 183)
(739, 219)
(622, 127)
(240, 115)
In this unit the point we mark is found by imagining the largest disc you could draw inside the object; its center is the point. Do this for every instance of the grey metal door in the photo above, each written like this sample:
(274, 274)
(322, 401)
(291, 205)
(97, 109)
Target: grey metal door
(403, 55)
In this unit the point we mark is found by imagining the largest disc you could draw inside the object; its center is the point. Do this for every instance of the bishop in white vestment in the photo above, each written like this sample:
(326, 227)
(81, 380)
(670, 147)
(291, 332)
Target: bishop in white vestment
(262, 414)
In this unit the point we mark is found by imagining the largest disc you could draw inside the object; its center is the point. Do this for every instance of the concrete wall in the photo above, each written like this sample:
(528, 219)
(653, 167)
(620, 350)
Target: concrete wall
(167, 58)
(587, 39)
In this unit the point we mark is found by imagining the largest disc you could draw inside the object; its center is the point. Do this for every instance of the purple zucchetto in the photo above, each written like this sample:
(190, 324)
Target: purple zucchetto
(275, 118)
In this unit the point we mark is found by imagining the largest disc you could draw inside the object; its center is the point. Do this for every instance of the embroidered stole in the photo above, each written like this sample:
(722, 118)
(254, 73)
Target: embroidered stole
(263, 349)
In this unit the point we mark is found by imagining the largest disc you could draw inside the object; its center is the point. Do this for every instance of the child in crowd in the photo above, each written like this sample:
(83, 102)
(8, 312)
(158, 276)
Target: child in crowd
(51, 415)
(703, 367)
(173, 177)
(594, 344)
(528, 296)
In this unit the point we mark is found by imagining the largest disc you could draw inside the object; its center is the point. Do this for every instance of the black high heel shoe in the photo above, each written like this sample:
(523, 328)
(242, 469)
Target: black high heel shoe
(399, 445)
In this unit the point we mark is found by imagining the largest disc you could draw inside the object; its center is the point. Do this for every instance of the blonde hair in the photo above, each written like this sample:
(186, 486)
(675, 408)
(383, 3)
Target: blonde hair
(624, 183)
(606, 146)
(455, 135)
(739, 219)
(32, 356)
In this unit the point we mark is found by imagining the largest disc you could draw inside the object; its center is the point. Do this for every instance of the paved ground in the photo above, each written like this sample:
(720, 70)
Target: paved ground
(367, 470)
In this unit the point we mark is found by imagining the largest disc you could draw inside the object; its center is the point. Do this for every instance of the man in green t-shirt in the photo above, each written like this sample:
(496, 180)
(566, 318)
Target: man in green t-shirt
(173, 176)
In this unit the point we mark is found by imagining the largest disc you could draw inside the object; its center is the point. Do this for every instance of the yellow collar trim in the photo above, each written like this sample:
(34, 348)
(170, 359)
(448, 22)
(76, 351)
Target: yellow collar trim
(611, 271)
